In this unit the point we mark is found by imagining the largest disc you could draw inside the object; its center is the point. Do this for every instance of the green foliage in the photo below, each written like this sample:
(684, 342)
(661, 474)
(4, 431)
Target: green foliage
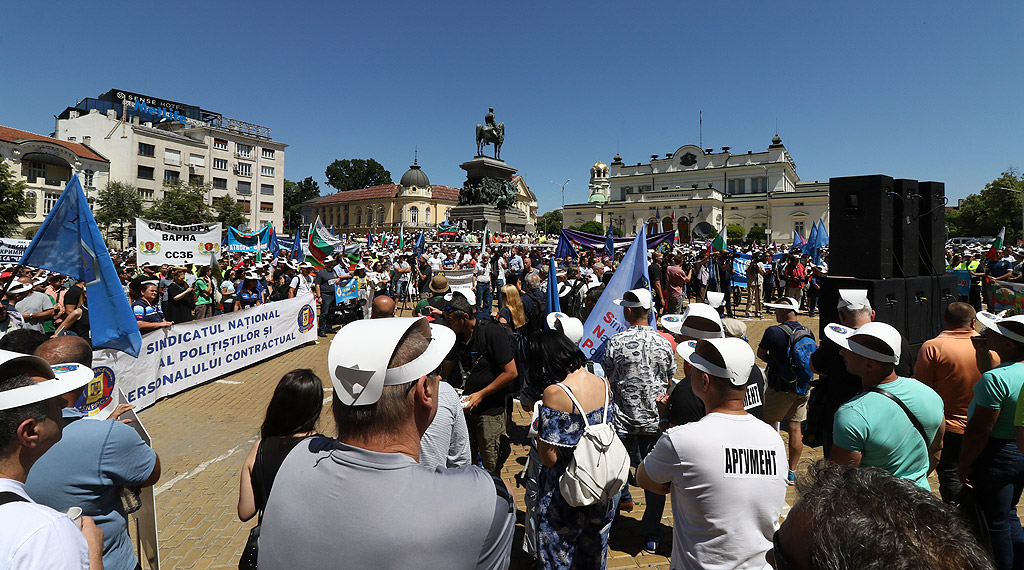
(756, 235)
(13, 202)
(230, 213)
(592, 227)
(550, 223)
(118, 205)
(356, 173)
(182, 204)
(735, 233)
(295, 193)
(985, 213)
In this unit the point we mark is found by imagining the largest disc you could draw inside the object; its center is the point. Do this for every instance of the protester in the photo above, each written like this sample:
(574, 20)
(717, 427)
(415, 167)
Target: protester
(148, 314)
(435, 303)
(853, 518)
(180, 298)
(34, 307)
(385, 378)
(35, 536)
(227, 291)
(639, 364)
(383, 307)
(248, 293)
(725, 471)
(93, 460)
(76, 312)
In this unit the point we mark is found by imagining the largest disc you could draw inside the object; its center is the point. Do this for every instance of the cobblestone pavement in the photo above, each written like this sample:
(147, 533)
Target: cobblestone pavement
(203, 436)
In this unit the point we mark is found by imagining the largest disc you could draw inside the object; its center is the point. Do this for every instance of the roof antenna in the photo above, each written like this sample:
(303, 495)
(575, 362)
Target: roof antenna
(416, 153)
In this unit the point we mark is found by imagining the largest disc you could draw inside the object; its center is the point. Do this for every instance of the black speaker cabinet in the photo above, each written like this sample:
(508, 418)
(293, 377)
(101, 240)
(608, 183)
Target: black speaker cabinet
(931, 224)
(861, 211)
(888, 298)
(905, 228)
(923, 322)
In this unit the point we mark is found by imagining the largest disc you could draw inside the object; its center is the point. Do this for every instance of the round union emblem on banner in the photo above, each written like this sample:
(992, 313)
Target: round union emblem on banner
(149, 247)
(208, 247)
(306, 318)
(98, 392)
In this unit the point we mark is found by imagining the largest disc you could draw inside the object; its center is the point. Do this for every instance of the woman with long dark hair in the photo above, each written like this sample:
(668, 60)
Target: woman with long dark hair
(567, 536)
(292, 415)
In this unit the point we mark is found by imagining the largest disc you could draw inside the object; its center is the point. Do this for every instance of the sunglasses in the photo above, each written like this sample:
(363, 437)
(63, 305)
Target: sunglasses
(781, 562)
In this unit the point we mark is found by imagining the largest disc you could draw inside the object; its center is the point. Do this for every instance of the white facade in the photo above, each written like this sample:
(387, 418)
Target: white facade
(694, 185)
(46, 165)
(239, 165)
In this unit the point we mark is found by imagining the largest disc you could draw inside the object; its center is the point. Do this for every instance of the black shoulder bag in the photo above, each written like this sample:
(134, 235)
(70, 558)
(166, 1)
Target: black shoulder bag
(252, 546)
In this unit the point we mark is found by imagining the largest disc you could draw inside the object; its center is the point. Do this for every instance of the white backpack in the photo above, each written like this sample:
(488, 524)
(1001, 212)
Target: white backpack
(599, 465)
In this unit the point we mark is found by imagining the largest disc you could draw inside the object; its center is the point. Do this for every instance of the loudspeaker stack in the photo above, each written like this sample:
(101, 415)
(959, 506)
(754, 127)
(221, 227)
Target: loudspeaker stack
(888, 236)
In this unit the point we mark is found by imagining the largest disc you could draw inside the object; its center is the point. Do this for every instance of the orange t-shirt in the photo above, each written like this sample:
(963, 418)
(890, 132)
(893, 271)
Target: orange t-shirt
(947, 364)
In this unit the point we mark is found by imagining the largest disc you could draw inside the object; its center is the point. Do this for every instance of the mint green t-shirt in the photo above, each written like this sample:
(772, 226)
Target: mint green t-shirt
(876, 427)
(203, 294)
(998, 390)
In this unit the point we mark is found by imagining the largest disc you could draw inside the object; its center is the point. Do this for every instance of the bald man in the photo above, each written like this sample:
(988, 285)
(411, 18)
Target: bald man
(383, 307)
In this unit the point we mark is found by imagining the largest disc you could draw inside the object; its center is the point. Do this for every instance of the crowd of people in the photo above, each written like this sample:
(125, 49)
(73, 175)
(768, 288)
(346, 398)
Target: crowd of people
(422, 407)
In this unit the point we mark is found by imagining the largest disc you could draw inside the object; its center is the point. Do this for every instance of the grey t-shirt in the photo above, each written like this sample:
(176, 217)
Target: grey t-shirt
(446, 441)
(334, 505)
(35, 302)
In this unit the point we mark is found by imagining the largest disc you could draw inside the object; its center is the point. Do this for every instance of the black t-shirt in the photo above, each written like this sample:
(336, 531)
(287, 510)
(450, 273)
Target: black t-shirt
(686, 407)
(178, 311)
(654, 275)
(75, 296)
(478, 363)
(776, 342)
(322, 279)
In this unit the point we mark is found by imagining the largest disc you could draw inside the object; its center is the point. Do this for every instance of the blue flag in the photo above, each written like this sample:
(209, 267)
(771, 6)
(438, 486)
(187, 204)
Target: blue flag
(609, 242)
(275, 247)
(606, 319)
(552, 297)
(812, 240)
(823, 233)
(346, 290)
(565, 250)
(420, 246)
(69, 242)
(296, 252)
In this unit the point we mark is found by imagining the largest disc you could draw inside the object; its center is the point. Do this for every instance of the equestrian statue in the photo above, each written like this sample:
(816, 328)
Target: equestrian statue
(489, 133)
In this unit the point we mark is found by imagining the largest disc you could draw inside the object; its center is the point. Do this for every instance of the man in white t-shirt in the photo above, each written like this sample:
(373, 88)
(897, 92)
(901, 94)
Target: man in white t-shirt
(726, 472)
(302, 284)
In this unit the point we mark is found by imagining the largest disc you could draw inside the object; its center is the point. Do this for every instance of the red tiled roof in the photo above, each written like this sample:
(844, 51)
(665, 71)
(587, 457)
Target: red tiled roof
(385, 191)
(13, 135)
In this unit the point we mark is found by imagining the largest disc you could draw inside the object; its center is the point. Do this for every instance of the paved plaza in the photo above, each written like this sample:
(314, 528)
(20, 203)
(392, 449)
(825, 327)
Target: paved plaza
(203, 436)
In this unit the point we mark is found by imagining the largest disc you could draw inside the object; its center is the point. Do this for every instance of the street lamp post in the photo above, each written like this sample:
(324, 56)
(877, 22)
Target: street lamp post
(1021, 206)
(768, 207)
(622, 226)
(563, 193)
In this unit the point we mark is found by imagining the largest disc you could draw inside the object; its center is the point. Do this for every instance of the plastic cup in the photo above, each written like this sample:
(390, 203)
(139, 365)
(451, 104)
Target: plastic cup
(75, 513)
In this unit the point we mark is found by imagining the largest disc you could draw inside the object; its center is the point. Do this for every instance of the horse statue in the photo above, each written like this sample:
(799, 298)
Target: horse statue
(487, 134)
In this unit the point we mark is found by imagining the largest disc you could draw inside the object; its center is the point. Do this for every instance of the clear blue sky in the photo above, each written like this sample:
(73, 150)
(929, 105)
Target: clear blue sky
(925, 90)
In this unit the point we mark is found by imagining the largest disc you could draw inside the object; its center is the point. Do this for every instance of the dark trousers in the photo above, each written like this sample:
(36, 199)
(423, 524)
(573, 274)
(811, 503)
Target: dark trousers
(326, 305)
(976, 297)
(949, 483)
(638, 446)
(998, 479)
(812, 301)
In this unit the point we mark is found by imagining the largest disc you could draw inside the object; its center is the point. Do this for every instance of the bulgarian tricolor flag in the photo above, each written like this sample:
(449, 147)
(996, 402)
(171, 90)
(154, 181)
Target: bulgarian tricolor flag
(401, 236)
(719, 243)
(321, 244)
(483, 240)
(997, 246)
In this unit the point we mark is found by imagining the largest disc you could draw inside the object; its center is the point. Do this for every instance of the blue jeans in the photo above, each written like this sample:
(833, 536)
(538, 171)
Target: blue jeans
(998, 479)
(638, 446)
(484, 299)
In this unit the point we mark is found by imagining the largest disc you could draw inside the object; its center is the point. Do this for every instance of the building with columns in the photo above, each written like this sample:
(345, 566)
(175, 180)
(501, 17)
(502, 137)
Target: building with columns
(46, 165)
(693, 185)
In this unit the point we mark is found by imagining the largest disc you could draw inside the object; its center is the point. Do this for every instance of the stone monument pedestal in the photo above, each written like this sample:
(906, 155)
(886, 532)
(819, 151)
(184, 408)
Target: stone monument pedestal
(481, 215)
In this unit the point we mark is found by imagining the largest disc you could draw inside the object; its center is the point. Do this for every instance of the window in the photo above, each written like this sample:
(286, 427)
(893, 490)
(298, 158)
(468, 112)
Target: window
(798, 227)
(171, 176)
(243, 169)
(244, 188)
(380, 217)
(246, 207)
(49, 199)
(267, 189)
(268, 153)
(758, 185)
(220, 164)
(196, 179)
(734, 208)
(798, 203)
(172, 157)
(426, 216)
(34, 170)
(243, 150)
(414, 215)
(220, 144)
(147, 149)
(266, 207)
(359, 217)
(738, 186)
(346, 216)
(267, 170)
(88, 178)
(145, 194)
(146, 172)
(196, 160)
(220, 183)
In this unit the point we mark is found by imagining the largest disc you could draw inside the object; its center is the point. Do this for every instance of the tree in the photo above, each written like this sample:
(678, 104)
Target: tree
(593, 227)
(118, 204)
(182, 204)
(550, 223)
(735, 233)
(13, 202)
(756, 234)
(295, 193)
(356, 173)
(230, 213)
(985, 213)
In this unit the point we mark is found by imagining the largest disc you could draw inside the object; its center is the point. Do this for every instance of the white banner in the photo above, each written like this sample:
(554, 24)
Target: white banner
(11, 250)
(160, 243)
(182, 356)
(459, 278)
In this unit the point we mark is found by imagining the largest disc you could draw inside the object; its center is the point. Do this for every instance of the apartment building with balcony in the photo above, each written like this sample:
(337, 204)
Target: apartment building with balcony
(151, 141)
(46, 164)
